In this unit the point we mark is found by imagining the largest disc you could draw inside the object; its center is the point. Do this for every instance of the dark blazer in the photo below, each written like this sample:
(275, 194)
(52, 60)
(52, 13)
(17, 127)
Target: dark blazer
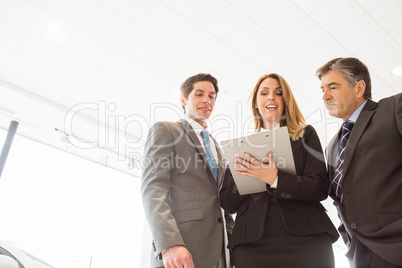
(180, 195)
(372, 179)
(298, 197)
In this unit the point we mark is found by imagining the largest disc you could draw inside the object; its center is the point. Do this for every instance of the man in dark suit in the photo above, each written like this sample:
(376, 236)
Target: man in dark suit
(365, 164)
(180, 185)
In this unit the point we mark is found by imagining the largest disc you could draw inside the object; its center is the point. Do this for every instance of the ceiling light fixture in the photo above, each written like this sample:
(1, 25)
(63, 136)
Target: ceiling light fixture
(397, 70)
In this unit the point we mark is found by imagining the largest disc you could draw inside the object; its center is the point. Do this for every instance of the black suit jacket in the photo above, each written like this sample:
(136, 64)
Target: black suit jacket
(372, 179)
(298, 197)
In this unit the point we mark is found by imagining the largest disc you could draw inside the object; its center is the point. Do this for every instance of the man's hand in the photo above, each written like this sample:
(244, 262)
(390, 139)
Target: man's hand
(177, 257)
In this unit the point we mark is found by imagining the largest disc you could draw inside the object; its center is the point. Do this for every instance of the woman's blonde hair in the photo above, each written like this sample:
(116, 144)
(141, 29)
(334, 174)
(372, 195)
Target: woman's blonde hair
(292, 117)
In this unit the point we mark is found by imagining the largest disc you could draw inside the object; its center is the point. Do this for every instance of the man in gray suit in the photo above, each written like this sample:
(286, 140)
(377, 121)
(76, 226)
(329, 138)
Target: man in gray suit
(181, 182)
(365, 164)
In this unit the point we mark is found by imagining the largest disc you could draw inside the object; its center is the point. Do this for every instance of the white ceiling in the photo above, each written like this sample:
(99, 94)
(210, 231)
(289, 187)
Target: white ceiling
(102, 71)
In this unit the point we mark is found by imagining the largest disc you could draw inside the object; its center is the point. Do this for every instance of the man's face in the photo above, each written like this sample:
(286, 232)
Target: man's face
(340, 99)
(200, 102)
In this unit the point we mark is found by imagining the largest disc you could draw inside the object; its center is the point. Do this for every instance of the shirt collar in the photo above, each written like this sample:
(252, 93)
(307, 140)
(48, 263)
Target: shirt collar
(195, 125)
(357, 112)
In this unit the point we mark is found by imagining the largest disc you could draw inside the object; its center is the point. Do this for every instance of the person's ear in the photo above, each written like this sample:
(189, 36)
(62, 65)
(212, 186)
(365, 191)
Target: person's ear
(361, 87)
(183, 101)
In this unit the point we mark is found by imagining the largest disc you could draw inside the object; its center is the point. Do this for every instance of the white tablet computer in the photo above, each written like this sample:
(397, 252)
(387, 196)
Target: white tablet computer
(259, 145)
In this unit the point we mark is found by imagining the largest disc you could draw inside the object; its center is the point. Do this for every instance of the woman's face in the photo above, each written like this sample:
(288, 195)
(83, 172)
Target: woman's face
(269, 102)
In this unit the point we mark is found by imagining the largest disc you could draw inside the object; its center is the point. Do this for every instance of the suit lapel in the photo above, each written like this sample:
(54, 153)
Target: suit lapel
(193, 136)
(220, 166)
(332, 152)
(357, 132)
(198, 146)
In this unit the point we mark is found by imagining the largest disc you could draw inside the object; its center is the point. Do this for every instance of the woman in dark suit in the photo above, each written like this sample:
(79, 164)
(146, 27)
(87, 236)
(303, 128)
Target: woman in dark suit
(285, 226)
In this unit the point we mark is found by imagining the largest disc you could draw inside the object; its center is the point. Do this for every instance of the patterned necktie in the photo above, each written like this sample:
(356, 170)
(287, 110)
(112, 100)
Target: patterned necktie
(210, 157)
(336, 183)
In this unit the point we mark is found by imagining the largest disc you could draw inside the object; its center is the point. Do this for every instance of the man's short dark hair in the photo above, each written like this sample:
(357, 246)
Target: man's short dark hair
(187, 86)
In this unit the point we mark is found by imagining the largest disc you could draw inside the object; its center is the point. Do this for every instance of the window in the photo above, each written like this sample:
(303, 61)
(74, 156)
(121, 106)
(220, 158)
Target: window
(69, 211)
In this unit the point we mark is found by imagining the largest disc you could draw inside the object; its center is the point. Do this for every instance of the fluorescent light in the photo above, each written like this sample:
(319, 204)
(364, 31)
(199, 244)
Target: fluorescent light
(397, 70)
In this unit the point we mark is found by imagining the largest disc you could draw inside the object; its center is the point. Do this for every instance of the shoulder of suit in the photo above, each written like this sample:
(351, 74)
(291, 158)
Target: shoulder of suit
(393, 98)
(308, 130)
(166, 125)
(384, 103)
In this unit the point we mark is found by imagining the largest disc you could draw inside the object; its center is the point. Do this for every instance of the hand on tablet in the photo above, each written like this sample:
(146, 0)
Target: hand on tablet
(266, 172)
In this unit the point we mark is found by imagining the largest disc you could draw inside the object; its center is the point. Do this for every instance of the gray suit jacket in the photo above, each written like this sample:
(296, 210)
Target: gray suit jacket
(372, 179)
(180, 195)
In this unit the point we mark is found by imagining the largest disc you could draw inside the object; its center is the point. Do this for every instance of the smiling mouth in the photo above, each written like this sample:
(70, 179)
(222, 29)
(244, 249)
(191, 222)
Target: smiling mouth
(271, 107)
(205, 108)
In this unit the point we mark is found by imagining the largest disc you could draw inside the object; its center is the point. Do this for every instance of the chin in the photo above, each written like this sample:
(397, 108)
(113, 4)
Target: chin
(332, 112)
(202, 117)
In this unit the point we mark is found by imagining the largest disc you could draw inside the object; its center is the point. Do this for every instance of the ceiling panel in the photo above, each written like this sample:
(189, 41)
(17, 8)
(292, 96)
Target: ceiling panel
(140, 43)
(170, 61)
(72, 66)
(121, 62)
(334, 16)
(217, 23)
(75, 11)
(385, 49)
(11, 35)
(20, 12)
(131, 10)
(388, 18)
(330, 48)
(107, 25)
(247, 73)
(193, 41)
(249, 38)
(359, 34)
(299, 40)
(163, 21)
(24, 72)
(87, 46)
(38, 49)
(309, 6)
(278, 16)
(368, 5)
(52, 27)
(190, 8)
(397, 35)
(225, 58)
(55, 86)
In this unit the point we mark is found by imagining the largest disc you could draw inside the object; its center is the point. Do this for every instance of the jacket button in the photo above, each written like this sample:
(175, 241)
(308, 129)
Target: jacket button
(353, 225)
(234, 190)
(220, 220)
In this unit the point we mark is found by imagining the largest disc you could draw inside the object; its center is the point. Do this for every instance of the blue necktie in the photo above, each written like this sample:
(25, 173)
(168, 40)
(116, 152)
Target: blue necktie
(210, 157)
(336, 183)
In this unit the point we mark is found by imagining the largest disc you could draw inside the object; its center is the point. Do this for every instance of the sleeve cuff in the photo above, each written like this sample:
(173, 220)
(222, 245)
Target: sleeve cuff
(275, 184)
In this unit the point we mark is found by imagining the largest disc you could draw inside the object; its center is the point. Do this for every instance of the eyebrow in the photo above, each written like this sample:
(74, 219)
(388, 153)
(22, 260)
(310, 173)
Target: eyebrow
(201, 90)
(330, 84)
(274, 88)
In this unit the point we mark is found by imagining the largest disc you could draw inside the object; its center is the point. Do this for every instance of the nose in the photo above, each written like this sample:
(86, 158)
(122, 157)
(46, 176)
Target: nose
(325, 94)
(271, 96)
(206, 99)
